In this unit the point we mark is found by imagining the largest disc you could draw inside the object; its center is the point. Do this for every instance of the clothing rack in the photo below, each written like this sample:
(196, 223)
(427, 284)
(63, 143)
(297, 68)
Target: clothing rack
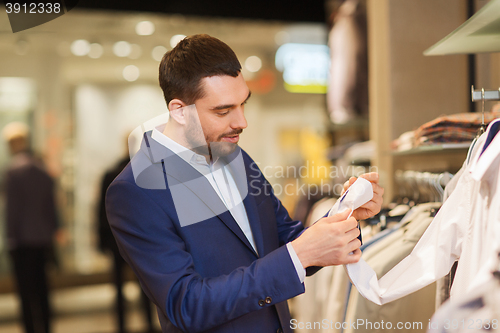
(419, 187)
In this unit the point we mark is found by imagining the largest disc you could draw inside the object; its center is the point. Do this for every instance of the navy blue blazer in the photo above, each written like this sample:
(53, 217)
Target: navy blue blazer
(205, 276)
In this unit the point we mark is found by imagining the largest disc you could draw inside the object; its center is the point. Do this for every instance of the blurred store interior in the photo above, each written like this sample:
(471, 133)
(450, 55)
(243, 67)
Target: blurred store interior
(85, 80)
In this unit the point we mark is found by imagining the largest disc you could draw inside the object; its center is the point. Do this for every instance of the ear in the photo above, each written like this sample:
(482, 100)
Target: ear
(176, 108)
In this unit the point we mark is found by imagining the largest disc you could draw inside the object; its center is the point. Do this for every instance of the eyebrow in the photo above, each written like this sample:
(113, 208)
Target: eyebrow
(228, 106)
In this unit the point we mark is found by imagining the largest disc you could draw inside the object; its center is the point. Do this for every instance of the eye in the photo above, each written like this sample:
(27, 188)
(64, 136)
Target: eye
(223, 113)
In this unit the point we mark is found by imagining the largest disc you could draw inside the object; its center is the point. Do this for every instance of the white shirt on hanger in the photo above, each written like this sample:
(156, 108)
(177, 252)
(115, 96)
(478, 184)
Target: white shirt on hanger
(466, 228)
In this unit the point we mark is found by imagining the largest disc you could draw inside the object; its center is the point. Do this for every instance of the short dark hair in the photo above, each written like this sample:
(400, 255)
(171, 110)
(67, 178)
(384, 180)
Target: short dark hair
(192, 59)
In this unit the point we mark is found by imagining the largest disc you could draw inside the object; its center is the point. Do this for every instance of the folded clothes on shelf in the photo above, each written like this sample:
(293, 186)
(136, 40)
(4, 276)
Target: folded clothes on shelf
(455, 128)
(406, 141)
(460, 127)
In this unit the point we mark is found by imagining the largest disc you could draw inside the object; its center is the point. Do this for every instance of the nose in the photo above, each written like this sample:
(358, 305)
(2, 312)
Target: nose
(239, 121)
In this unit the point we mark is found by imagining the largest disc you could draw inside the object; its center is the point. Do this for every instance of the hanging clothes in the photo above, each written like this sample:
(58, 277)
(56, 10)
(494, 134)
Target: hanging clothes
(465, 229)
(443, 285)
(347, 95)
(340, 289)
(477, 311)
(383, 256)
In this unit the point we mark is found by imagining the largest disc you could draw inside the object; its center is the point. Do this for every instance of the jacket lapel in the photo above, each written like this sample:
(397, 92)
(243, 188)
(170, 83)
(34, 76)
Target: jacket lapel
(179, 172)
(254, 220)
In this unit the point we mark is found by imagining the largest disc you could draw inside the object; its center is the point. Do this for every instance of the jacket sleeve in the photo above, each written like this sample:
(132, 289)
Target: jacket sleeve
(288, 229)
(149, 242)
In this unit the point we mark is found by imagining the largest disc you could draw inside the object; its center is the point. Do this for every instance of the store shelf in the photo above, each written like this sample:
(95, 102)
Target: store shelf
(479, 34)
(446, 147)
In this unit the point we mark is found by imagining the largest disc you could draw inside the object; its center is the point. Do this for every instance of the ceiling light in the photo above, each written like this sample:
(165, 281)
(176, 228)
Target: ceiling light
(80, 47)
(158, 52)
(253, 64)
(145, 28)
(131, 73)
(122, 49)
(176, 39)
(96, 50)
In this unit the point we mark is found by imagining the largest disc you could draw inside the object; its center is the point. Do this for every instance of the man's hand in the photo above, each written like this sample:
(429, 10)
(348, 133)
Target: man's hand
(329, 241)
(372, 207)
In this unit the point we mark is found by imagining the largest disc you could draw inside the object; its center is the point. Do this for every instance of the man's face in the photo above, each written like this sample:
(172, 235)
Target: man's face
(221, 112)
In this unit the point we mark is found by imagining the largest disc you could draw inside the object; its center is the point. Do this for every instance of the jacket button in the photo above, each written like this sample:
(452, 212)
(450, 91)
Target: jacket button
(269, 300)
(262, 303)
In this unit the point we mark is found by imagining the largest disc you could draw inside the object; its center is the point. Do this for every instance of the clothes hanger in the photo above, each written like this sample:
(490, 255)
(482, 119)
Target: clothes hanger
(482, 129)
(401, 193)
(441, 181)
(484, 95)
(425, 189)
(410, 181)
(432, 182)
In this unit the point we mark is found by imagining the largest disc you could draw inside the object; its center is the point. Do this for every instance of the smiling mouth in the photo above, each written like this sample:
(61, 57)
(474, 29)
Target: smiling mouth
(232, 139)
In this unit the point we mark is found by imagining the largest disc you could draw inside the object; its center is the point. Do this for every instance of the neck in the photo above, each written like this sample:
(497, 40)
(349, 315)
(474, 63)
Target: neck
(176, 132)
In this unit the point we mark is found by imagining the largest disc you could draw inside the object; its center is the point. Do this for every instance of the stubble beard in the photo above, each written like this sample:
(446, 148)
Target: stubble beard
(219, 148)
(209, 146)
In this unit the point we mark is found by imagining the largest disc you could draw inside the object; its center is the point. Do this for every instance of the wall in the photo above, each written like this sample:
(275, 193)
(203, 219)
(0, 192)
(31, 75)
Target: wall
(406, 88)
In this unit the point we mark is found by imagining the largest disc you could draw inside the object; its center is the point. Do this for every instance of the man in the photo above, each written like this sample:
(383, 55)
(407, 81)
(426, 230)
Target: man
(193, 215)
(31, 227)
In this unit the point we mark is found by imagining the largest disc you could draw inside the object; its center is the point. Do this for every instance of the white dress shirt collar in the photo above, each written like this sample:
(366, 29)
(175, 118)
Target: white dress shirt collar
(484, 162)
(186, 154)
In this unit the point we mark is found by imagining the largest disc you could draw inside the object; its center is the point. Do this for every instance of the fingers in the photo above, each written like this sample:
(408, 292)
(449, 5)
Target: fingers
(332, 241)
(352, 253)
(347, 230)
(375, 204)
(377, 189)
(352, 234)
(353, 245)
(344, 225)
(347, 225)
(346, 186)
(371, 176)
(371, 207)
(348, 183)
(378, 199)
(354, 257)
(342, 216)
